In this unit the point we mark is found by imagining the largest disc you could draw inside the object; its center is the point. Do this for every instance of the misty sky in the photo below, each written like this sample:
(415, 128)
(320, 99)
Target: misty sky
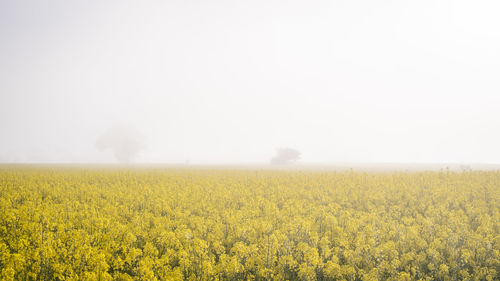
(231, 81)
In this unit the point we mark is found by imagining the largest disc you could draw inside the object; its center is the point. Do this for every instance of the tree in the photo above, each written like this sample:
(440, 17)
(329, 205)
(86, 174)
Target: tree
(285, 156)
(126, 143)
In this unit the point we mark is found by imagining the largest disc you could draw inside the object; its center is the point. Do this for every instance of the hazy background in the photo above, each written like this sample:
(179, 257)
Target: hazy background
(231, 81)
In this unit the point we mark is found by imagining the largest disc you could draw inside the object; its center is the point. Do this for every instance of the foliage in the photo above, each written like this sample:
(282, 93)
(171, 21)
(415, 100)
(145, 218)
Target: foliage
(285, 156)
(149, 224)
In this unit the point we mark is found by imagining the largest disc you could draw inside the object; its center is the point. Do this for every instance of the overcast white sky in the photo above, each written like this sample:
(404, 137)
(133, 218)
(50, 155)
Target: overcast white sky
(231, 81)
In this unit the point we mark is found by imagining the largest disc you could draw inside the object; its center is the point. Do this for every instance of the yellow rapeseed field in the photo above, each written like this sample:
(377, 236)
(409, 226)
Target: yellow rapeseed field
(201, 224)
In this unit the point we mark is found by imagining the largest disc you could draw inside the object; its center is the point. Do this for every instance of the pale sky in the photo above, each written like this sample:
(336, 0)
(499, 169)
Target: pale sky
(231, 81)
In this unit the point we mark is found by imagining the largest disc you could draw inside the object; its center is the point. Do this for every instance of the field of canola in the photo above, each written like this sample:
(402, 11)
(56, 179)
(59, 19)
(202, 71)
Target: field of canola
(200, 224)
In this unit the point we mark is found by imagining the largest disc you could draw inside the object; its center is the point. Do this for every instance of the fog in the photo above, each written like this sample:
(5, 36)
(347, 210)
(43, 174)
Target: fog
(232, 81)
(126, 143)
(285, 156)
